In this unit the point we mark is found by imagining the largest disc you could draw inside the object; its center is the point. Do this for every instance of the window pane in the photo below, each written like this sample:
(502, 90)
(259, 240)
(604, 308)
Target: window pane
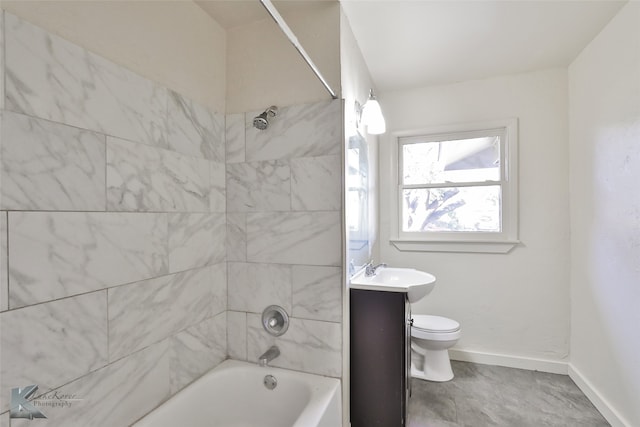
(452, 209)
(462, 160)
(353, 208)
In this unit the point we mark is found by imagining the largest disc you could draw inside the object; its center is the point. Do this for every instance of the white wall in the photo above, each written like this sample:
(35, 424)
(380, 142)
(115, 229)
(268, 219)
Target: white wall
(517, 304)
(263, 67)
(605, 217)
(173, 43)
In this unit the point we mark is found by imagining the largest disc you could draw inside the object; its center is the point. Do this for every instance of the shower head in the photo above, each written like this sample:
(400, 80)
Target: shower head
(261, 121)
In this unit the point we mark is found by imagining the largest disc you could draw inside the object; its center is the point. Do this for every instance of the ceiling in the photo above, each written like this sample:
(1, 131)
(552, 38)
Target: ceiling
(409, 44)
(229, 13)
(233, 13)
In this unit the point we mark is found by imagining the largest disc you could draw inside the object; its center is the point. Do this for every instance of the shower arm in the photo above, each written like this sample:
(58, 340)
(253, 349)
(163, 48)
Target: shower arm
(268, 5)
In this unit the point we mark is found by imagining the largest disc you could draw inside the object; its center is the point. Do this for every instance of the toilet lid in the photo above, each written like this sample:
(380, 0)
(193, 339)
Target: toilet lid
(429, 323)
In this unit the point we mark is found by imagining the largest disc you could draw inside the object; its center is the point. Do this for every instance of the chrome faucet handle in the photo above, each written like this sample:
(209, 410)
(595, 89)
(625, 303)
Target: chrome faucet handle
(370, 269)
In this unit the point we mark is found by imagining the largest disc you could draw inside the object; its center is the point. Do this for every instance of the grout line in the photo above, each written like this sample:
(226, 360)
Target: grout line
(246, 337)
(244, 135)
(106, 175)
(108, 328)
(283, 264)
(289, 161)
(6, 261)
(56, 300)
(111, 212)
(3, 101)
(114, 286)
(291, 287)
(105, 133)
(246, 237)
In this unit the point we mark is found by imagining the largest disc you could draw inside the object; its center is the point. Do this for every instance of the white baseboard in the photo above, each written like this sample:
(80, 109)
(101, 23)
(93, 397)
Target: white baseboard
(601, 404)
(531, 364)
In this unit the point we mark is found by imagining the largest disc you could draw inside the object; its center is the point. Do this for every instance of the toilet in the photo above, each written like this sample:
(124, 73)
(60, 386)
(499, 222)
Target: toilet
(431, 337)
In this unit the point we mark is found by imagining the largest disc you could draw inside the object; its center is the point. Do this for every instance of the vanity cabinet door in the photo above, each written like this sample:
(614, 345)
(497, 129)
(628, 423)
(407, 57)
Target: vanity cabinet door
(378, 359)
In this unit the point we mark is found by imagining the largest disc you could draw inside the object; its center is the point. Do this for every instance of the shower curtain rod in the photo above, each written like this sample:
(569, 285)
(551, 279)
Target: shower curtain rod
(294, 41)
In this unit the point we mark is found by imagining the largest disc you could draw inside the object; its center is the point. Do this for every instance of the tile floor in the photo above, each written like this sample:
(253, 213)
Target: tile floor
(483, 395)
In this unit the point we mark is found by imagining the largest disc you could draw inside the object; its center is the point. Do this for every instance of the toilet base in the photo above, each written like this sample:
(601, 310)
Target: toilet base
(436, 366)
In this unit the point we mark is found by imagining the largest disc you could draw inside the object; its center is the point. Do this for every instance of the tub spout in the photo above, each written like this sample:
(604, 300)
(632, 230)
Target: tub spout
(269, 355)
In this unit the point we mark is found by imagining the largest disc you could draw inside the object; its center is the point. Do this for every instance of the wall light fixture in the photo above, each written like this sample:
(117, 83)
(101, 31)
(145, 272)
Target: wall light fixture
(372, 116)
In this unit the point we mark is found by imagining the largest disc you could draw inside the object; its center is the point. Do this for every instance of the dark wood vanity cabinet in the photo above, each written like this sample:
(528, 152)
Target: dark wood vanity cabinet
(380, 358)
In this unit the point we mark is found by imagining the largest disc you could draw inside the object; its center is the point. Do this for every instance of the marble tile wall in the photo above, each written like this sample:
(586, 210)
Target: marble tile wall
(114, 395)
(142, 235)
(50, 166)
(284, 235)
(113, 232)
(1, 60)
(4, 282)
(52, 79)
(4, 278)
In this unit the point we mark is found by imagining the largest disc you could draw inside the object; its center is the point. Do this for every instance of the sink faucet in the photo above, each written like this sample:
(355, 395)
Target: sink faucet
(269, 355)
(370, 269)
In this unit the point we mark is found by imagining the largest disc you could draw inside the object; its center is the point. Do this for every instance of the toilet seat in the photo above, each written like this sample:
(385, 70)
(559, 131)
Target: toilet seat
(435, 324)
(435, 328)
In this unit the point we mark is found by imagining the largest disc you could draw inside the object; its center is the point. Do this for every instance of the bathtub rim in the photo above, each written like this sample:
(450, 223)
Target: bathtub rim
(322, 397)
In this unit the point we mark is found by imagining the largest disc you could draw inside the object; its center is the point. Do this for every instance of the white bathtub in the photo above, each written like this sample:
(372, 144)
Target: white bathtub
(233, 395)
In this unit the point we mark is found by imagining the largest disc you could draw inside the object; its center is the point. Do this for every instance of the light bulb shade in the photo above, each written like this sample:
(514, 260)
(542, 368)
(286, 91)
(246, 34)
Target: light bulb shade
(372, 116)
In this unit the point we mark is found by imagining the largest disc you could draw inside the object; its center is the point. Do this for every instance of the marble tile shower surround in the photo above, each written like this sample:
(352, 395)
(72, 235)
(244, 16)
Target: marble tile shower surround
(313, 183)
(307, 292)
(252, 284)
(193, 130)
(73, 330)
(312, 238)
(308, 345)
(35, 150)
(259, 186)
(4, 273)
(284, 235)
(195, 239)
(307, 130)
(121, 392)
(50, 78)
(317, 292)
(165, 306)
(1, 69)
(79, 252)
(115, 395)
(112, 232)
(125, 199)
(143, 178)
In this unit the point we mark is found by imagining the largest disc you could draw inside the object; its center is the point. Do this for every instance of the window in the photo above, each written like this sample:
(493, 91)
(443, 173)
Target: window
(456, 188)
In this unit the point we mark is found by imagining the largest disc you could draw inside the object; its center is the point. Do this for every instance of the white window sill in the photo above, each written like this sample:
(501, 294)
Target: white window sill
(491, 247)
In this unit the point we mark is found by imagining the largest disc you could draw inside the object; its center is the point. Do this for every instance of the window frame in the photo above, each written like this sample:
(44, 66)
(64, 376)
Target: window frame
(461, 241)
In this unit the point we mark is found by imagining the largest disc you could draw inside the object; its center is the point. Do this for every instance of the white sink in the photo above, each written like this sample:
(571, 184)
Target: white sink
(417, 284)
